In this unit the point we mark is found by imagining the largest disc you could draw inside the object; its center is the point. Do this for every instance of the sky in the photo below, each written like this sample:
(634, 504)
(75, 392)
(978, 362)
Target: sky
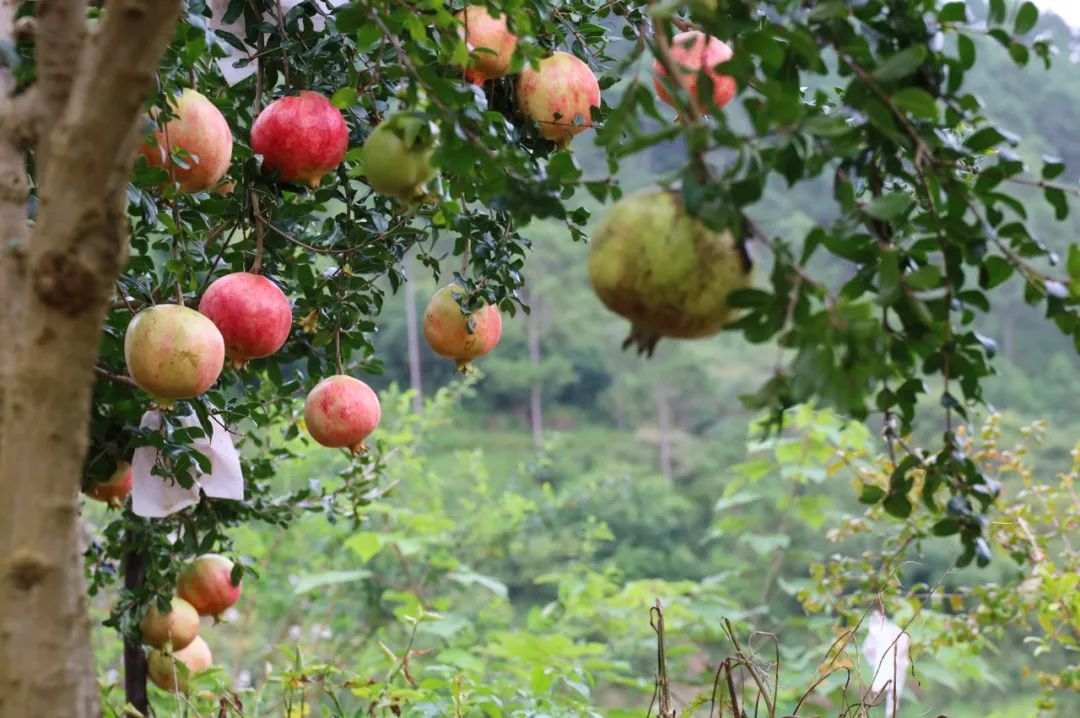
(1068, 10)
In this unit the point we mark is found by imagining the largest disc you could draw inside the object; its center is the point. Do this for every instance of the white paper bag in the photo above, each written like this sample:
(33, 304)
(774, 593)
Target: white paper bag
(156, 496)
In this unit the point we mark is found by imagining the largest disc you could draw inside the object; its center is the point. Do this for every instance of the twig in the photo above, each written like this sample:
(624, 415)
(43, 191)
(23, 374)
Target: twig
(281, 43)
(118, 378)
(656, 620)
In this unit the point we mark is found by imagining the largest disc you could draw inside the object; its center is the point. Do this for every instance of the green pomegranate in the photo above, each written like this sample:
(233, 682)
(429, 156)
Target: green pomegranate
(397, 156)
(665, 271)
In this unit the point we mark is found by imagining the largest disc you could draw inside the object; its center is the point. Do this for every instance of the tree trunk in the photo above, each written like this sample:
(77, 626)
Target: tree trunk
(536, 408)
(412, 334)
(54, 290)
(663, 412)
(134, 657)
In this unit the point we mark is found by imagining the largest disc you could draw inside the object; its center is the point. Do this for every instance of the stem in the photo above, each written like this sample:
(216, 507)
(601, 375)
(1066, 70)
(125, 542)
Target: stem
(134, 568)
(281, 44)
(118, 378)
(256, 263)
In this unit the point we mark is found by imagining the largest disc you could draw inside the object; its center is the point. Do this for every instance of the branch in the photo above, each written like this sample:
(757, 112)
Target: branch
(61, 37)
(118, 378)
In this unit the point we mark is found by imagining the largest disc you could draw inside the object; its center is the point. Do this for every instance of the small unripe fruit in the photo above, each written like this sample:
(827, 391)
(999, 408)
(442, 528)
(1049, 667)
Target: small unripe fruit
(457, 336)
(116, 489)
(198, 128)
(173, 352)
(662, 269)
(695, 53)
(207, 585)
(558, 95)
(178, 627)
(165, 670)
(397, 156)
(253, 315)
(491, 44)
(340, 412)
(301, 137)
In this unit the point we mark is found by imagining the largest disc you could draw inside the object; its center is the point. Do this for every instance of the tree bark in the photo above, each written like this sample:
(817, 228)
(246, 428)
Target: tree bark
(663, 413)
(412, 335)
(55, 281)
(536, 406)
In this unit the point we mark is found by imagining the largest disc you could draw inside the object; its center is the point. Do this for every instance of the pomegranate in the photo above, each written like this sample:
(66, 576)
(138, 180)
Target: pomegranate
(207, 585)
(253, 315)
(694, 53)
(340, 412)
(116, 489)
(491, 44)
(178, 627)
(199, 128)
(457, 336)
(302, 137)
(397, 156)
(558, 95)
(170, 671)
(662, 269)
(173, 352)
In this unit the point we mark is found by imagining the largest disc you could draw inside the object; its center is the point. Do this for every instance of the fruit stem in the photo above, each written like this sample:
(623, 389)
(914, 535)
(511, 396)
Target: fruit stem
(358, 448)
(464, 366)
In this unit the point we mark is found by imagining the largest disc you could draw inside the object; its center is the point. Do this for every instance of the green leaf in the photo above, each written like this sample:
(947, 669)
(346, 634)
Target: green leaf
(1058, 201)
(984, 139)
(923, 278)
(1026, 17)
(344, 98)
(889, 206)
(953, 12)
(994, 271)
(366, 544)
(1072, 263)
(330, 578)
(871, 494)
(1053, 168)
(897, 505)
(946, 527)
(917, 102)
(901, 64)
(965, 51)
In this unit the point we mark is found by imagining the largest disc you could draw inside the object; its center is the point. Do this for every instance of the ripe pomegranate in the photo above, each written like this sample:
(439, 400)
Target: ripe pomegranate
(116, 489)
(397, 156)
(662, 269)
(302, 137)
(694, 53)
(207, 585)
(452, 334)
(340, 412)
(165, 670)
(173, 352)
(557, 94)
(178, 627)
(199, 128)
(491, 44)
(253, 315)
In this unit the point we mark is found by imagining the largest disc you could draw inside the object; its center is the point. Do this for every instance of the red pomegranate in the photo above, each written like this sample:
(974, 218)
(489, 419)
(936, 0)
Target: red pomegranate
(340, 412)
(178, 627)
(207, 585)
(173, 352)
(491, 44)
(116, 489)
(165, 671)
(452, 334)
(694, 53)
(302, 137)
(199, 128)
(558, 95)
(253, 315)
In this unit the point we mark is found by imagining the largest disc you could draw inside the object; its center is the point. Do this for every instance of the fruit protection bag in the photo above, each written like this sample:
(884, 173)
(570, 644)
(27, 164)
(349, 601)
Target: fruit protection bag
(156, 496)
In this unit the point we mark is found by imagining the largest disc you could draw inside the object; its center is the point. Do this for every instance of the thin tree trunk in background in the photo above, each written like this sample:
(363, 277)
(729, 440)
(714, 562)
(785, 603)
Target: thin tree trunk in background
(663, 411)
(412, 334)
(134, 657)
(536, 408)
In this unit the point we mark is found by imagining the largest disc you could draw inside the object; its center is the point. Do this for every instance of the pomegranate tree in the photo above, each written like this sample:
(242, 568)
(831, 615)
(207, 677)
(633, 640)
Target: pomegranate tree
(207, 585)
(662, 269)
(116, 488)
(200, 130)
(301, 137)
(558, 95)
(178, 627)
(695, 53)
(491, 44)
(453, 334)
(170, 671)
(251, 312)
(173, 352)
(341, 411)
(397, 156)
